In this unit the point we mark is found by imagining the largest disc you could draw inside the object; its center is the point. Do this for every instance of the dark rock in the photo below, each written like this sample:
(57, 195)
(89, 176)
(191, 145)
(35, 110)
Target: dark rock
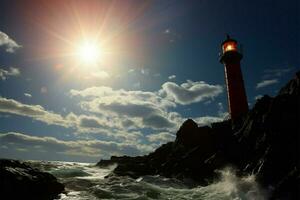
(20, 181)
(293, 86)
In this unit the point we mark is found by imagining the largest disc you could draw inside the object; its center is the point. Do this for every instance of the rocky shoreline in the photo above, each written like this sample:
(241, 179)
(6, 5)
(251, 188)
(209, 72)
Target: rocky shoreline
(18, 180)
(265, 142)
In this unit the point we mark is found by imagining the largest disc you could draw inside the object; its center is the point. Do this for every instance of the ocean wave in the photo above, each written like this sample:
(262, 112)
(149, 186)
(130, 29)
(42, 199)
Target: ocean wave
(86, 181)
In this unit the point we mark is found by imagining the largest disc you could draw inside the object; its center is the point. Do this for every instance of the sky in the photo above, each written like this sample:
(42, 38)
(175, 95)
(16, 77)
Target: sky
(85, 80)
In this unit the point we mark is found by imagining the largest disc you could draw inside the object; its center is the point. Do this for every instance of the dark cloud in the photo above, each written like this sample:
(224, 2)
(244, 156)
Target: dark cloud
(161, 138)
(87, 122)
(158, 122)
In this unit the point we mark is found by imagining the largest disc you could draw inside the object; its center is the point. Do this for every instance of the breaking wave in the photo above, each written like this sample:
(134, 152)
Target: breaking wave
(87, 182)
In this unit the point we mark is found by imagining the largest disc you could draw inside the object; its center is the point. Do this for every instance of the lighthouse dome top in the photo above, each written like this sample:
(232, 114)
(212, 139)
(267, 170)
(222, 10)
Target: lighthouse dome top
(228, 39)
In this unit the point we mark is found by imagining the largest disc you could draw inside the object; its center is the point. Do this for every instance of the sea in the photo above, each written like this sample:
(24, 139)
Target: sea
(85, 181)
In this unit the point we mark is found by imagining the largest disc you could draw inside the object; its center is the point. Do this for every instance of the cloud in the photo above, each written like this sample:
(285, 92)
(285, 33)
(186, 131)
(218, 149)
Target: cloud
(172, 77)
(116, 125)
(12, 71)
(92, 149)
(10, 45)
(161, 138)
(144, 109)
(207, 120)
(139, 109)
(99, 75)
(266, 83)
(107, 95)
(44, 90)
(27, 95)
(258, 97)
(143, 113)
(275, 73)
(89, 122)
(36, 112)
(191, 92)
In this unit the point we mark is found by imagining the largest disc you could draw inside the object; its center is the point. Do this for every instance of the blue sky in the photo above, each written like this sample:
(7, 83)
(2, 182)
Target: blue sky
(157, 64)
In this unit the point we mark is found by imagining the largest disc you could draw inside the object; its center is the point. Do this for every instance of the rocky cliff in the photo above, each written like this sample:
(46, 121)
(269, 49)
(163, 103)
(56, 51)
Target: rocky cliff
(266, 142)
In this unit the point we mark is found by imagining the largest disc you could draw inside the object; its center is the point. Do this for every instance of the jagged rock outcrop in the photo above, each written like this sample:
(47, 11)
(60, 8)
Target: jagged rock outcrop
(20, 181)
(266, 142)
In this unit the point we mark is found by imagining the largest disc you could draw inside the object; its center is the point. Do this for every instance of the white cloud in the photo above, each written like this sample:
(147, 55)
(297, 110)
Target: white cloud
(108, 126)
(93, 149)
(265, 83)
(27, 95)
(172, 77)
(99, 75)
(191, 92)
(207, 120)
(10, 45)
(144, 109)
(118, 115)
(139, 109)
(12, 71)
(112, 123)
(36, 112)
(106, 95)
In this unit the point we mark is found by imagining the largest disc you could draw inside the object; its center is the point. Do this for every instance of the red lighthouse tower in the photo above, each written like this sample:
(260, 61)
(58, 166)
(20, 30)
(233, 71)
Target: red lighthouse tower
(236, 94)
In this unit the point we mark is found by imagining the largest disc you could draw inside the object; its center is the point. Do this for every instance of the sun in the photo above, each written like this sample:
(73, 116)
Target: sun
(89, 53)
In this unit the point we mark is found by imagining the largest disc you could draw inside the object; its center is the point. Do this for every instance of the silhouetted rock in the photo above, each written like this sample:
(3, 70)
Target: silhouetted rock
(20, 181)
(293, 86)
(265, 142)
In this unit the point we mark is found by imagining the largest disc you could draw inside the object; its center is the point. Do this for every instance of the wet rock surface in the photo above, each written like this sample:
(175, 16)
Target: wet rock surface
(265, 142)
(20, 181)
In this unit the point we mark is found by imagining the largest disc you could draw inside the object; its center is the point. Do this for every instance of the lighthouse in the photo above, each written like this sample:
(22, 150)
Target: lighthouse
(236, 94)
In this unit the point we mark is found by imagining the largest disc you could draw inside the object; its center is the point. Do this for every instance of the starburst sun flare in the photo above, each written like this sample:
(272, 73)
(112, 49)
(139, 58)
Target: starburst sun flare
(89, 53)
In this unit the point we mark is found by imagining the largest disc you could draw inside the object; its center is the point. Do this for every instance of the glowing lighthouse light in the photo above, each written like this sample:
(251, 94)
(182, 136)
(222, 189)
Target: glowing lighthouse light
(229, 46)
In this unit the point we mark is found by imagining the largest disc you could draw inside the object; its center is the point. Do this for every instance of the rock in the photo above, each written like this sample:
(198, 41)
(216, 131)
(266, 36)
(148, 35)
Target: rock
(269, 141)
(20, 181)
(293, 86)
